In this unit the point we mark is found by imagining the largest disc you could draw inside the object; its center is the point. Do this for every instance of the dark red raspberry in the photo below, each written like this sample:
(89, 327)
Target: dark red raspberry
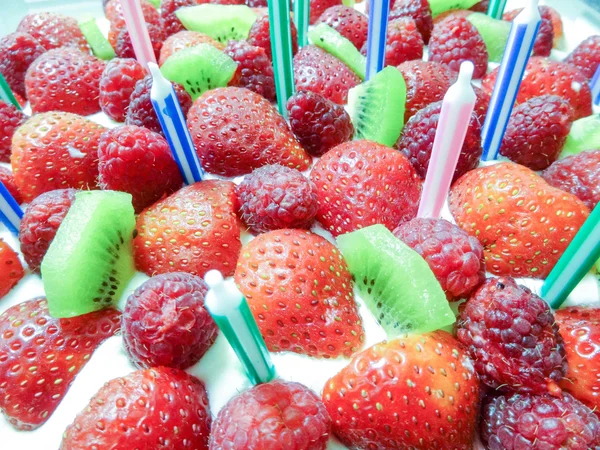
(274, 197)
(116, 85)
(537, 130)
(349, 22)
(577, 174)
(545, 37)
(65, 79)
(455, 40)
(419, 11)
(53, 30)
(40, 223)
(426, 82)
(170, 22)
(482, 103)
(184, 39)
(404, 42)
(165, 322)
(17, 52)
(254, 71)
(124, 47)
(416, 141)
(318, 123)
(586, 56)
(138, 161)
(512, 337)
(539, 422)
(10, 119)
(7, 178)
(260, 35)
(141, 112)
(279, 414)
(455, 257)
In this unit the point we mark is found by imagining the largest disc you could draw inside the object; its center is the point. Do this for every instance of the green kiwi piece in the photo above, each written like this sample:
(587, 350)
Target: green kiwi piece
(584, 135)
(440, 6)
(221, 22)
(395, 282)
(333, 42)
(377, 107)
(155, 3)
(90, 260)
(494, 33)
(199, 69)
(99, 44)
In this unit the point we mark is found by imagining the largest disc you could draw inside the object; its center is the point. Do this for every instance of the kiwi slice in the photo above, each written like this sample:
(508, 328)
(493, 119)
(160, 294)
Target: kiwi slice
(99, 44)
(395, 282)
(199, 69)
(584, 135)
(90, 260)
(221, 22)
(440, 6)
(494, 33)
(333, 42)
(377, 107)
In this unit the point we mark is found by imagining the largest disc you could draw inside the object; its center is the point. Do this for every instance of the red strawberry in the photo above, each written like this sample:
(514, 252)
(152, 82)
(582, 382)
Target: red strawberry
(543, 76)
(545, 37)
(361, 183)
(114, 14)
(7, 178)
(586, 56)
(523, 223)
(318, 7)
(17, 52)
(404, 42)
(254, 71)
(349, 22)
(11, 272)
(418, 391)
(147, 409)
(299, 289)
(53, 30)
(116, 85)
(55, 150)
(207, 236)
(10, 119)
(580, 330)
(481, 6)
(184, 39)
(318, 71)
(236, 130)
(260, 36)
(40, 356)
(419, 11)
(64, 79)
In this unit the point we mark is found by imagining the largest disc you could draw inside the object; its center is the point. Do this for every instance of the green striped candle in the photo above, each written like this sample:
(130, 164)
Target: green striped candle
(302, 18)
(6, 93)
(496, 8)
(281, 48)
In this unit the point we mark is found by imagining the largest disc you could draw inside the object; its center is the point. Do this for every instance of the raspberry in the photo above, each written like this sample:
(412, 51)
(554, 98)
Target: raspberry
(274, 197)
(138, 161)
(319, 124)
(64, 79)
(279, 414)
(419, 11)
(539, 422)
(124, 47)
(426, 82)
(8, 180)
(455, 257)
(482, 103)
(536, 131)
(254, 71)
(545, 37)
(260, 36)
(17, 52)
(404, 42)
(349, 22)
(10, 119)
(512, 338)
(116, 85)
(577, 174)
(586, 56)
(184, 39)
(40, 223)
(455, 40)
(416, 141)
(165, 322)
(256, 3)
(169, 21)
(141, 112)
(53, 30)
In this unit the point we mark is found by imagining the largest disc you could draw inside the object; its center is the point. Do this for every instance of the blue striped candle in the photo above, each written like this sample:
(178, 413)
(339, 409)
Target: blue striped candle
(379, 11)
(10, 211)
(523, 32)
(595, 85)
(168, 110)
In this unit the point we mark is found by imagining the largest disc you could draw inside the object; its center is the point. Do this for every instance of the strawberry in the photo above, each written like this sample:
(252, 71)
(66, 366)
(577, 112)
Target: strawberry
(349, 22)
(53, 30)
(299, 289)
(11, 270)
(40, 356)
(580, 330)
(361, 183)
(184, 39)
(193, 230)
(236, 130)
(523, 223)
(318, 71)
(318, 7)
(418, 391)
(586, 56)
(543, 76)
(159, 408)
(114, 14)
(7, 178)
(55, 150)
(404, 42)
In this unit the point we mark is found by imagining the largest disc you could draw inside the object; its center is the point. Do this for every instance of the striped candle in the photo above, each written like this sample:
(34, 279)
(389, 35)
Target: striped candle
(281, 48)
(10, 211)
(496, 8)
(6, 94)
(523, 32)
(379, 11)
(138, 32)
(595, 85)
(302, 19)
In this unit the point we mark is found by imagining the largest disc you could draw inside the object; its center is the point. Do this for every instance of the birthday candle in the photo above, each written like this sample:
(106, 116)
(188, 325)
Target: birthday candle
(496, 8)
(453, 123)
(595, 85)
(6, 94)
(302, 18)
(379, 11)
(10, 211)
(523, 32)
(231, 312)
(168, 110)
(138, 32)
(281, 48)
